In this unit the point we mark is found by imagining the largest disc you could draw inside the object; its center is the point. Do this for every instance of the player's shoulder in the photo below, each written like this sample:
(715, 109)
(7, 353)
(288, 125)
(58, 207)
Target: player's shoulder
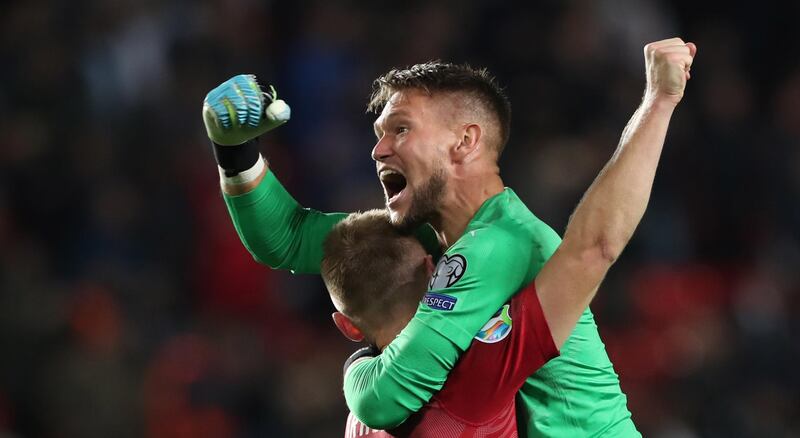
(487, 252)
(505, 211)
(504, 221)
(482, 239)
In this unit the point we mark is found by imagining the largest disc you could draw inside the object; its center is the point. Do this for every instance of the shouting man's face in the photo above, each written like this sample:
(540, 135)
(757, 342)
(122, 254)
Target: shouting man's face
(413, 139)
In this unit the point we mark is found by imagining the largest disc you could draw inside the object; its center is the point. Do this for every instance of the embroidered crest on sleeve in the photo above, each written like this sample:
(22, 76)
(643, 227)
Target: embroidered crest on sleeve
(448, 271)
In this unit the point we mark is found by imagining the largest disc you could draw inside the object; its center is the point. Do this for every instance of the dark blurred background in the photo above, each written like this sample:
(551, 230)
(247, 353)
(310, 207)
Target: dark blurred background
(128, 307)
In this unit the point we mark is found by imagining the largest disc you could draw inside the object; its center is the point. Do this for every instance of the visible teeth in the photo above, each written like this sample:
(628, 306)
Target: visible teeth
(389, 172)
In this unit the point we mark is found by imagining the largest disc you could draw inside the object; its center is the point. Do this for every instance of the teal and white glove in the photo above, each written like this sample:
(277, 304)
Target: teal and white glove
(238, 111)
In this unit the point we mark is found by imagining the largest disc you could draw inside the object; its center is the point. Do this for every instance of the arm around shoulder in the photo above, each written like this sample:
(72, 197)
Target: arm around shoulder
(383, 391)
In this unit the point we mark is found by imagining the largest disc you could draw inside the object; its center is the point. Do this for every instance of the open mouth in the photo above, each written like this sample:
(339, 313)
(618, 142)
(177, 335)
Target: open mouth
(393, 183)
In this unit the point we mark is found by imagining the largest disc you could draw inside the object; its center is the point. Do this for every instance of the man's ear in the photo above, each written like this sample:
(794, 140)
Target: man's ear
(468, 142)
(429, 266)
(346, 326)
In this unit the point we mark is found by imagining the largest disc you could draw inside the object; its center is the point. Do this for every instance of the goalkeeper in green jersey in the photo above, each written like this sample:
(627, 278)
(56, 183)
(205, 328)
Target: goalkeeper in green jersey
(440, 132)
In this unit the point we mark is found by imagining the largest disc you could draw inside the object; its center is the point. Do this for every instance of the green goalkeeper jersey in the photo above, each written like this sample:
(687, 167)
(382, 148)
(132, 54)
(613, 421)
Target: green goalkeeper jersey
(501, 251)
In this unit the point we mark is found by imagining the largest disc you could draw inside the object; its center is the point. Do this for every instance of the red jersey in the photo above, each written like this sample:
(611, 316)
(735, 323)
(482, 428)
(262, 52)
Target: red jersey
(477, 399)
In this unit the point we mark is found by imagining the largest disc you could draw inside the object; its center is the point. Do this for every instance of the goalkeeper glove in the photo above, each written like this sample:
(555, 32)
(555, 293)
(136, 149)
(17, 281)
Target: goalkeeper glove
(235, 114)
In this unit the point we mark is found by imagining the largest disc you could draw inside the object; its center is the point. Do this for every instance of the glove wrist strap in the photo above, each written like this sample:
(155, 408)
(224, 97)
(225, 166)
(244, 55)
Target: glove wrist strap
(236, 159)
(244, 176)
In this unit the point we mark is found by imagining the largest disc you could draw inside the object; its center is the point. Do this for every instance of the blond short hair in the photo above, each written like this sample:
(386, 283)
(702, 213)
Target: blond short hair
(371, 269)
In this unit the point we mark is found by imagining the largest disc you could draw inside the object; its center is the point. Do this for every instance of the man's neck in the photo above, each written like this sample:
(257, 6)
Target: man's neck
(465, 198)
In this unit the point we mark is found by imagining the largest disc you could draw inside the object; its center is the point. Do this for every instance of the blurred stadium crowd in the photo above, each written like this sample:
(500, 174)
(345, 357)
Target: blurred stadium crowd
(128, 307)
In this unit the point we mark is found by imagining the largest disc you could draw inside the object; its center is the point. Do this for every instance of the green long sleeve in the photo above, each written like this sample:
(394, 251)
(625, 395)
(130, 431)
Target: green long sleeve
(386, 389)
(276, 230)
(281, 234)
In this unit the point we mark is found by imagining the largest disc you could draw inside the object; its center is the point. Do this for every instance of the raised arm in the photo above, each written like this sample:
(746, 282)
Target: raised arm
(275, 229)
(612, 207)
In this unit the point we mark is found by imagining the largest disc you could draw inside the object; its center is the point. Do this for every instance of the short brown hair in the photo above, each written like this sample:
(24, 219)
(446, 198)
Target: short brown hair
(369, 270)
(437, 76)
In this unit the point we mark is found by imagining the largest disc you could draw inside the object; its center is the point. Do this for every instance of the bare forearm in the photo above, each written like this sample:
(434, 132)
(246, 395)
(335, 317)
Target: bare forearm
(611, 209)
(613, 206)
(603, 222)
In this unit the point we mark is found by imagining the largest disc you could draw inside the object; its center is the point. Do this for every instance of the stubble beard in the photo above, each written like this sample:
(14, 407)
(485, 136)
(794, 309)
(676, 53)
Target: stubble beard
(425, 205)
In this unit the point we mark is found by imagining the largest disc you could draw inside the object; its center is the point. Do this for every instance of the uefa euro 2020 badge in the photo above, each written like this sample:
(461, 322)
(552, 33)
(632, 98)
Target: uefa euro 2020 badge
(497, 328)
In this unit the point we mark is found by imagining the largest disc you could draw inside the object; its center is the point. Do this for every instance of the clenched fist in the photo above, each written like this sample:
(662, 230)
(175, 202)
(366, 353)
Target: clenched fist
(237, 111)
(668, 63)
